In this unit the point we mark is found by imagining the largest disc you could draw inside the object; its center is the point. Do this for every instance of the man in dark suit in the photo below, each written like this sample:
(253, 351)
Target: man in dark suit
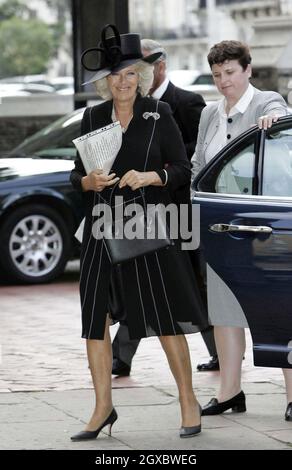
(186, 108)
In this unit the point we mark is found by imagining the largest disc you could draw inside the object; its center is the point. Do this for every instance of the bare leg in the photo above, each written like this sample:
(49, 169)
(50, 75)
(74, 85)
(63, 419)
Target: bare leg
(178, 356)
(99, 354)
(288, 381)
(230, 343)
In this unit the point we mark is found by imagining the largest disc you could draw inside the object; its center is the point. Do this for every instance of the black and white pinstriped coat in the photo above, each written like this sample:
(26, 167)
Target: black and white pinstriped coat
(160, 292)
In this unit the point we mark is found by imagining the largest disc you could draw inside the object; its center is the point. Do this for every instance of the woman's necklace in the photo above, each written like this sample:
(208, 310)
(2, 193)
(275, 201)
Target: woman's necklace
(126, 123)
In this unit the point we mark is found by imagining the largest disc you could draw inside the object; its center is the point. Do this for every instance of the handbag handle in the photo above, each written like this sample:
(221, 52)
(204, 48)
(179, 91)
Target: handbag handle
(139, 189)
(151, 138)
(142, 190)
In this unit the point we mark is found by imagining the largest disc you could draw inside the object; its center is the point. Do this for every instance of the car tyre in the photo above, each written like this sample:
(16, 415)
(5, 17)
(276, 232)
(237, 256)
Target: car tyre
(35, 244)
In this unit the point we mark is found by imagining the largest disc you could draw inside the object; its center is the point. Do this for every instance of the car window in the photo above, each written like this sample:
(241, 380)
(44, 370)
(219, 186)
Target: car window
(237, 176)
(56, 144)
(204, 79)
(54, 141)
(277, 169)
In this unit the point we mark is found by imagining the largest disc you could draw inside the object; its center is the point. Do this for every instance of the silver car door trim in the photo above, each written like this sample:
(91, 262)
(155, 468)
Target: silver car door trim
(277, 200)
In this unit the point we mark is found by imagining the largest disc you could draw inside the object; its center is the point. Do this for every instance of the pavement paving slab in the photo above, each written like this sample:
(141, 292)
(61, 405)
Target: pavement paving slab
(46, 391)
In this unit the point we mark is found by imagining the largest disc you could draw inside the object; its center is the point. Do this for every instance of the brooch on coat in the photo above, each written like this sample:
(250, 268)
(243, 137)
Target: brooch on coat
(154, 115)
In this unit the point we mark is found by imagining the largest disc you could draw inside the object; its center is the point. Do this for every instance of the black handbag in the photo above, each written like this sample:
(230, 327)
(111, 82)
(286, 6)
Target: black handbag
(150, 223)
(152, 230)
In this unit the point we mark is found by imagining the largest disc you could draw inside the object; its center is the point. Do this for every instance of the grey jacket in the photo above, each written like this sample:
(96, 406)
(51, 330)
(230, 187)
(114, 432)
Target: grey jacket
(262, 103)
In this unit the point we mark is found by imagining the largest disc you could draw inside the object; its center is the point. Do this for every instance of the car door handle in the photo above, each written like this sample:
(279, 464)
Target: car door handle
(240, 228)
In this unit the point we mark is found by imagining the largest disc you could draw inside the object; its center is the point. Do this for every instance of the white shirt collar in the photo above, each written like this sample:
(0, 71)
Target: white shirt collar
(159, 92)
(241, 105)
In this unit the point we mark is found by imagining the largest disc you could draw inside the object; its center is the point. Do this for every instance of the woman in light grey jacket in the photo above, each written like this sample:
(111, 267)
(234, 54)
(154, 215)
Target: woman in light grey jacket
(241, 107)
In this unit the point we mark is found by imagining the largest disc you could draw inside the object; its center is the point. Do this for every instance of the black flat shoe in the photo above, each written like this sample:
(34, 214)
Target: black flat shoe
(288, 413)
(87, 435)
(190, 431)
(236, 403)
(120, 368)
(213, 364)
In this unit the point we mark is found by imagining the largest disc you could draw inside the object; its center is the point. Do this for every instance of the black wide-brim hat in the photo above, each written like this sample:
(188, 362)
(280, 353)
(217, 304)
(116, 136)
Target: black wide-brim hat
(116, 53)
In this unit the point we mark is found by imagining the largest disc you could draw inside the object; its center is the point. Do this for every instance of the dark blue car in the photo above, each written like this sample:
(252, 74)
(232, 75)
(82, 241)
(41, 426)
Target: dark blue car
(39, 209)
(245, 198)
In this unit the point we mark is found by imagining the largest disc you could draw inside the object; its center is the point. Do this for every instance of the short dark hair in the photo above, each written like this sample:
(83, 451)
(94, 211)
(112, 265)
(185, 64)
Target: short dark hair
(230, 50)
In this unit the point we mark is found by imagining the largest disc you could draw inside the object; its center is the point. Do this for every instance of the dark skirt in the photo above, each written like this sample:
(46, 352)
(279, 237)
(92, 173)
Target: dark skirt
(156, 295)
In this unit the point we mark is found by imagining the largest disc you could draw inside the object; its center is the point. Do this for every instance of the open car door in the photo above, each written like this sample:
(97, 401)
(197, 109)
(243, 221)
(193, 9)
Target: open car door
(245, 198)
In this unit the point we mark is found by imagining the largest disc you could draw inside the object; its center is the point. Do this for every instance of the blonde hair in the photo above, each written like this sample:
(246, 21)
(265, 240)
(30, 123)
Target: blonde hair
(145, 73)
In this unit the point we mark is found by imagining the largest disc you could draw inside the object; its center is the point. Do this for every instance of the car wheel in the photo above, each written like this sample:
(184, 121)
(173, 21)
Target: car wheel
(35, 244)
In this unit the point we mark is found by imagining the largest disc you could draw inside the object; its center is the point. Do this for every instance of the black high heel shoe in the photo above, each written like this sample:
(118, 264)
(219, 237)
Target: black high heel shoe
(87, 435)
(236, 403)
(288, 413)
(190, 431)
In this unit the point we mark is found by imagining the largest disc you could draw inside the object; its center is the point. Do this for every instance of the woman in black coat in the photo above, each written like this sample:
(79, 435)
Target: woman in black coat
(159, 289)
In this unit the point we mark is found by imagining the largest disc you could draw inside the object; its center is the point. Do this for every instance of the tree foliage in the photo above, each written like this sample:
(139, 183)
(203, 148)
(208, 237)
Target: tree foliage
(26, 46)
(12, 8)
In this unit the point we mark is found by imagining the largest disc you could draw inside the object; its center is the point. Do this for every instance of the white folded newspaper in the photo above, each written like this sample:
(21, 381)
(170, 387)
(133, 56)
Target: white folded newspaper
(98, 150)
(79, 232)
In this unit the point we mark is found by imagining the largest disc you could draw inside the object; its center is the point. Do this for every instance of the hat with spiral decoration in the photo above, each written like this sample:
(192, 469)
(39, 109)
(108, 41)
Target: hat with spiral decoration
(116, 52)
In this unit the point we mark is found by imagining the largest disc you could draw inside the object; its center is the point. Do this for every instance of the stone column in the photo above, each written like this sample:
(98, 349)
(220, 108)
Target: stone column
(88, 19)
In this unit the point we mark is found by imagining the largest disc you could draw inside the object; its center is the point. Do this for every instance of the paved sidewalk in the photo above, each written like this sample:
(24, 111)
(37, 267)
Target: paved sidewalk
(148, 419)
(46, 396)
